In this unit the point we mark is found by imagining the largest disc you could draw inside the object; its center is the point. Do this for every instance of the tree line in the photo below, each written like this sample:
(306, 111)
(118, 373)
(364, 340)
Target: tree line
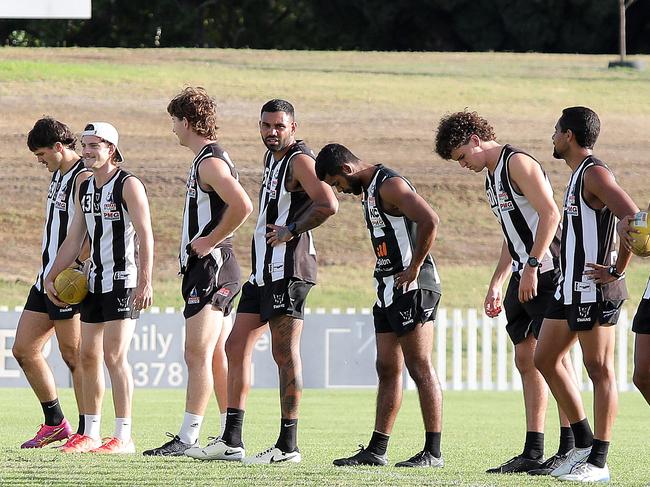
(580, 26)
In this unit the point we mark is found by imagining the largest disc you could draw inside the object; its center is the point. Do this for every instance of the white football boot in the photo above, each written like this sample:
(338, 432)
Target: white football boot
(273, 455)
(587, 472)
(217, 449)
(575, 456)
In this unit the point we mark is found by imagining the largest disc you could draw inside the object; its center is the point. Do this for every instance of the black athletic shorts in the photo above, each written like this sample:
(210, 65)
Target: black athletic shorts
(406, 312)
(526, 318)
(641, 323)
(113, 305)
(211, 280)
(283, 297)
(40, 303)
(583, 317)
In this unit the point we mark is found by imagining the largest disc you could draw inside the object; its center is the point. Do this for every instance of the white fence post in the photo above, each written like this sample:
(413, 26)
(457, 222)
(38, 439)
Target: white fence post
(502, 379)
(471, 349)
(457, 346)
(486, 353)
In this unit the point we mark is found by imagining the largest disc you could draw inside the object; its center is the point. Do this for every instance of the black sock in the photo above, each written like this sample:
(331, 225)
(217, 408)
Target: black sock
(582, 434)
(567, 442)
(432, 443)
(378, 443)
(234, 423)
(598, 455)
(82, 425)
(534, 446)
(287, 441)
(52, 412)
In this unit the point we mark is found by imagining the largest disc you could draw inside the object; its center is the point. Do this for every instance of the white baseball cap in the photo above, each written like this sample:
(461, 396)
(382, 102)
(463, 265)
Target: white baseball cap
(106, 131)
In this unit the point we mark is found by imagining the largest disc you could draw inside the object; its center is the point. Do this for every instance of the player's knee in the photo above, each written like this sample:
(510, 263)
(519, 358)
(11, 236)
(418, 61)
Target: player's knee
(89, 359)
(641, 379)
(599, 370)
(420, 371)
(21, 354)
(197, 357)
(70, 356)
(114, 360)
(388, 370)
(234, 348)
(543, 363)
(525, 363)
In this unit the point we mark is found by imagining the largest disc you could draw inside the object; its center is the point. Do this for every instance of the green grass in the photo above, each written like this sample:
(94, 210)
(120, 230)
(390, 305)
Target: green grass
(480, 430)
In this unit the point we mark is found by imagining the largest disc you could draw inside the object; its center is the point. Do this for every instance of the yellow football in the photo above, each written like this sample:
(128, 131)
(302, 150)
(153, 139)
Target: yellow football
(71, 285)
(641, 243)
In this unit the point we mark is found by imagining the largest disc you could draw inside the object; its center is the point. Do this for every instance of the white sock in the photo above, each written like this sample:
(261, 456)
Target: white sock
(190, 428)
(93, 425)
(123, 429)
(223, 423)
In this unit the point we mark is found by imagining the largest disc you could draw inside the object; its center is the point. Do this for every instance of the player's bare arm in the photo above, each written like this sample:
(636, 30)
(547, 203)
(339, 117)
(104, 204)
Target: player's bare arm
(84, 254)
(214, 174)
(399, 199)
(324, 203)
(493, 299)
(135, 198)
(601, 189)
(529, 179)
(68, 252)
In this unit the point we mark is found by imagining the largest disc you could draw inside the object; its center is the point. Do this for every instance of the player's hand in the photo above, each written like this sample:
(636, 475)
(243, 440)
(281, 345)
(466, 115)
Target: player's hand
(492, 303)
(406, 277)
(528, 284)
(143, 296)
(625, 230)
(48, 285)
(277, 235)
(201, 247)
(599, 273)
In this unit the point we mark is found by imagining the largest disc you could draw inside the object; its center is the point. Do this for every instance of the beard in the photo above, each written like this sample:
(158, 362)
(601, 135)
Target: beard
(556, 154)
(277, 145)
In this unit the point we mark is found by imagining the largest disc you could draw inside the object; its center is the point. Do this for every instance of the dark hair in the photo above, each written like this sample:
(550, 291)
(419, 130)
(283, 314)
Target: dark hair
(583, 122)
(455, 130)
(47, 131)
(278, 105)
(331, 158)
(198, 108)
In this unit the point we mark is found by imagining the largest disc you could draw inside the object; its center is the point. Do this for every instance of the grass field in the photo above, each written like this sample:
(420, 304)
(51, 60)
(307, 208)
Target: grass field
(384, 106)
(480, 430)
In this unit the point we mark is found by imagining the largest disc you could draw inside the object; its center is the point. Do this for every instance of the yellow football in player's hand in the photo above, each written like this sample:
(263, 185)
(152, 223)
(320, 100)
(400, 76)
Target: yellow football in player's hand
(641, 243)
(71, 285)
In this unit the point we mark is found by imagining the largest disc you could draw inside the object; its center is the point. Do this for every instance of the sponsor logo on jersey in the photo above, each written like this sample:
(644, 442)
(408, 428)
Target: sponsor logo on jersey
(112, 215)
(121, 275)
(506, 206)
(583, 287)
(193, 298)
(571, 210)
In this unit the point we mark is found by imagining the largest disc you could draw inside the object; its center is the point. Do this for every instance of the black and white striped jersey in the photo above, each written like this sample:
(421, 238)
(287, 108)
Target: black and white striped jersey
(588, 236)
(393, 240)
(113, 246)
(203, 210)
(278, 206)
(516, 215)
(59, 212)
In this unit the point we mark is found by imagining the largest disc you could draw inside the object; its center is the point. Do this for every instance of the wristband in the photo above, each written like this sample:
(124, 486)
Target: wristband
(292, 229)
(614, 273)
